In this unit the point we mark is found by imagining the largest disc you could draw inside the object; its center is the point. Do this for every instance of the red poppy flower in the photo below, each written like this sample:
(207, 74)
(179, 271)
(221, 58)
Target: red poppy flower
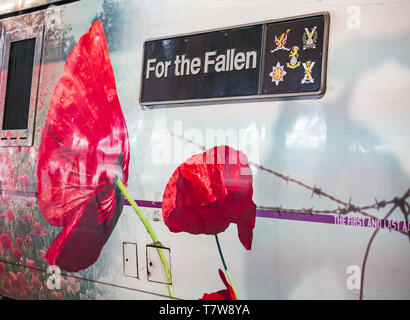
(5, 198)
(59, 296)
(25, 181)
(10, 215)
(32, 266)
(19, 242)
(38, 230)
(35, 281)
(22, 279)
(28, 293)
(13, 278)
(84, 148)
(27, 218)
(226, 294)
(17, 253)
(208, 192)
(2, 269)
(5, 242)
(29, 241)
(6, 283)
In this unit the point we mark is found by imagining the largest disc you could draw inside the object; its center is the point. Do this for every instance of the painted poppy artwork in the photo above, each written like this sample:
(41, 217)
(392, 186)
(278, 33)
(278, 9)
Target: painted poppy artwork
(84, 149)
(208, 192)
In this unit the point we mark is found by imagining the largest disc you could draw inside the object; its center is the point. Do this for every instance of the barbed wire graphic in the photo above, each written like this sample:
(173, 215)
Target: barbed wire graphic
(405, 207)
(343, 207)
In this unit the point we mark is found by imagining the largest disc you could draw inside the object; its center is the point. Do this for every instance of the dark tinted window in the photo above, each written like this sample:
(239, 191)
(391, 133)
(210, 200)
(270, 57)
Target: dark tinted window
(18, 91)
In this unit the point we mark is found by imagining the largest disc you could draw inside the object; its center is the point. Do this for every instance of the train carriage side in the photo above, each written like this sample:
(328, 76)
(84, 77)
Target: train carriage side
(329, 175)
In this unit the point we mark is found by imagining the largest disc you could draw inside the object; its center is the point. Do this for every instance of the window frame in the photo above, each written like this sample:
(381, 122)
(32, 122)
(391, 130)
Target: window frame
(23, 137)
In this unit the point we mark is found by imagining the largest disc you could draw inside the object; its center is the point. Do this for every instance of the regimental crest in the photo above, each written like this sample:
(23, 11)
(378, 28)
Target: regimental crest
(281, 41)
(308, 72)
(293, 55)
(310, 38)
(277, 73)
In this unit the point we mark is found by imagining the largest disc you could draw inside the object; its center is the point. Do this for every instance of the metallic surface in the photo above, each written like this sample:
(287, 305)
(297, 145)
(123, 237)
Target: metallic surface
(314, 94)
(353, 144)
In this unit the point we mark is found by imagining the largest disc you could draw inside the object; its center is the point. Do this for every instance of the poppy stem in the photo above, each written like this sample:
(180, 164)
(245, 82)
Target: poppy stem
(151, 232)
(225, 267)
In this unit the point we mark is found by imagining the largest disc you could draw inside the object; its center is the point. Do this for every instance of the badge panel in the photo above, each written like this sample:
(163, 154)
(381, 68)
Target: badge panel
(273, 59)
(293, 56)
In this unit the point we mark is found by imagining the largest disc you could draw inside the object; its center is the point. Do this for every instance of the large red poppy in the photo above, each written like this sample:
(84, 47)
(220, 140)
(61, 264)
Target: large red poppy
(226, 294)
(208, 192)
(84, 148)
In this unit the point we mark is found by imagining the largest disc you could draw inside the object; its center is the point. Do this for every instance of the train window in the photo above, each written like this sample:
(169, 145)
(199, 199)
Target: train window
(18, 87)
(20, 68)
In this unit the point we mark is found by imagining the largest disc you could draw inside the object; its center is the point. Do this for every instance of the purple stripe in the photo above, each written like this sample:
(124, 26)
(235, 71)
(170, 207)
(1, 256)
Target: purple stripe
(343, 220)
(145, 203)
(261, 213)
(274, 214)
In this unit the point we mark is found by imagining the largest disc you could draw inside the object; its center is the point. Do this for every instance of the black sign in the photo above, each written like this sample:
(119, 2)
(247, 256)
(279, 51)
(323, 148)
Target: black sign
(275, 59)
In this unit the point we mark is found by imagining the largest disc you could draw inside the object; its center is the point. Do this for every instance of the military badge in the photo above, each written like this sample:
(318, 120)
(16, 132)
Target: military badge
(277, 73)
(309, 38)
(308, 72)
(281, 41)
(293, 62)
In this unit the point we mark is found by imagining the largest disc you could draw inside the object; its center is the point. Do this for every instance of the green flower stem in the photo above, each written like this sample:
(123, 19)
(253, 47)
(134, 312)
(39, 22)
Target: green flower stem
(151, 232)
(225, 267)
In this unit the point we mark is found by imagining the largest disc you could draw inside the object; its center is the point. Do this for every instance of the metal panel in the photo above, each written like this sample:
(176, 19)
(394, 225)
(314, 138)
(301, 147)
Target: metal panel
(155, 271)
(353, 143)
(130, 259)
(316, 91)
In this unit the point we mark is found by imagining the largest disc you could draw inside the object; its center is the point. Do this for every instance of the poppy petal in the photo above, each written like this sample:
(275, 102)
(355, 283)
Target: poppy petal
(80, 242)
(226, 294)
